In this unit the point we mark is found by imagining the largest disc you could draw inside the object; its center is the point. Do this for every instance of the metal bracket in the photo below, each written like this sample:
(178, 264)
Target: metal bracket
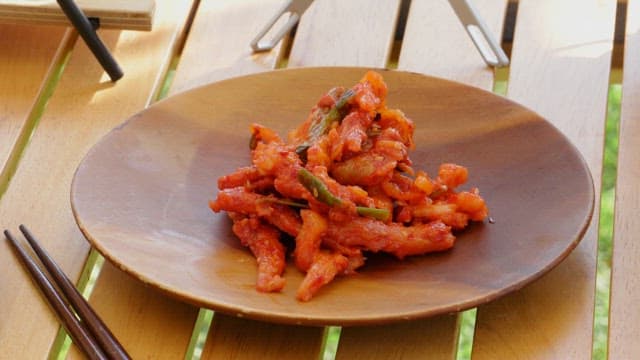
(482, 38)
(86, 27)
(296, 8)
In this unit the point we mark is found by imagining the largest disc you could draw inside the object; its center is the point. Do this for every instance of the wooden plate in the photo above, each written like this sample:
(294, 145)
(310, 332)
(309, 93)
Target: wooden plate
(141, 196)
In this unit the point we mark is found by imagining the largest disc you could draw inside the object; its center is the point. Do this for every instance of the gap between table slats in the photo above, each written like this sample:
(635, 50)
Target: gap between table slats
(608, 191)
(562, 74)
(335, 33)
(625, 269)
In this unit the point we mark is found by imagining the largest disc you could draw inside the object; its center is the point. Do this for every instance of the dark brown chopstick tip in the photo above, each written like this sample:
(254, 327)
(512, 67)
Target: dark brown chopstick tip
(91, 334)
(14, 242)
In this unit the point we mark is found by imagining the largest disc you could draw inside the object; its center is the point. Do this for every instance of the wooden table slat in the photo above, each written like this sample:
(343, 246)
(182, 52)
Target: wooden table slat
(436, 43)
(236, 338)
(83, 108)
(347, 33)
(624, 322)
(560, 68)
(27, 55)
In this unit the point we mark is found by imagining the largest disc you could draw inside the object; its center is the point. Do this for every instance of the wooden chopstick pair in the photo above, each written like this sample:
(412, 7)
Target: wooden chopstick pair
(88, 332)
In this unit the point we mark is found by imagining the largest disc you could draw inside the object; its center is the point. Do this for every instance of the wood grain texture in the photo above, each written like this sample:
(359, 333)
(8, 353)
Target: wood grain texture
(436, 43)
(153, 325)
(235, 338)
(333, 33)
(624, 321)
(560, 68)
(119, 14)
(431, 29)
(27, 54)
(432, 338)
(218, 44)
(83, 108)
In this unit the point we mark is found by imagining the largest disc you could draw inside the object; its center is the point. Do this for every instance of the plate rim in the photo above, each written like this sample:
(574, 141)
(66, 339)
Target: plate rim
(286, 318)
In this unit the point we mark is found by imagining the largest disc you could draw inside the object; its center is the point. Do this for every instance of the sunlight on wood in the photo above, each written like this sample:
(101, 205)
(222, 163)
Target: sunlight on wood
(592, 24)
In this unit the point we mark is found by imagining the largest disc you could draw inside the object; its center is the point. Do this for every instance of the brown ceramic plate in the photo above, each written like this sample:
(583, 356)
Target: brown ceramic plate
(141, 198)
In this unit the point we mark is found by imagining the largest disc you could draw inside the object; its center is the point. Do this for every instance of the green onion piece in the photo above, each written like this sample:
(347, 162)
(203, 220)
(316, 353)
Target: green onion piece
(319, 190)
(322, 125)
(378, 214)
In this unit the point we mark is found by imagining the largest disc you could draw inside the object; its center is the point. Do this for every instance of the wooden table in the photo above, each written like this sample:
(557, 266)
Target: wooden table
(56, 102)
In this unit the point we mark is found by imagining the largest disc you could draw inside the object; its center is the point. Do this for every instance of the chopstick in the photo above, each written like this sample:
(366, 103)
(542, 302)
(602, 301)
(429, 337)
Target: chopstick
(89, 332)
(88, 33)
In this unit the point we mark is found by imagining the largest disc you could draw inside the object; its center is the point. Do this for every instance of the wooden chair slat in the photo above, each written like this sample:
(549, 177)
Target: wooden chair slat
(156, 314)
(27, 55)
(154, 325)
(562, 74)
